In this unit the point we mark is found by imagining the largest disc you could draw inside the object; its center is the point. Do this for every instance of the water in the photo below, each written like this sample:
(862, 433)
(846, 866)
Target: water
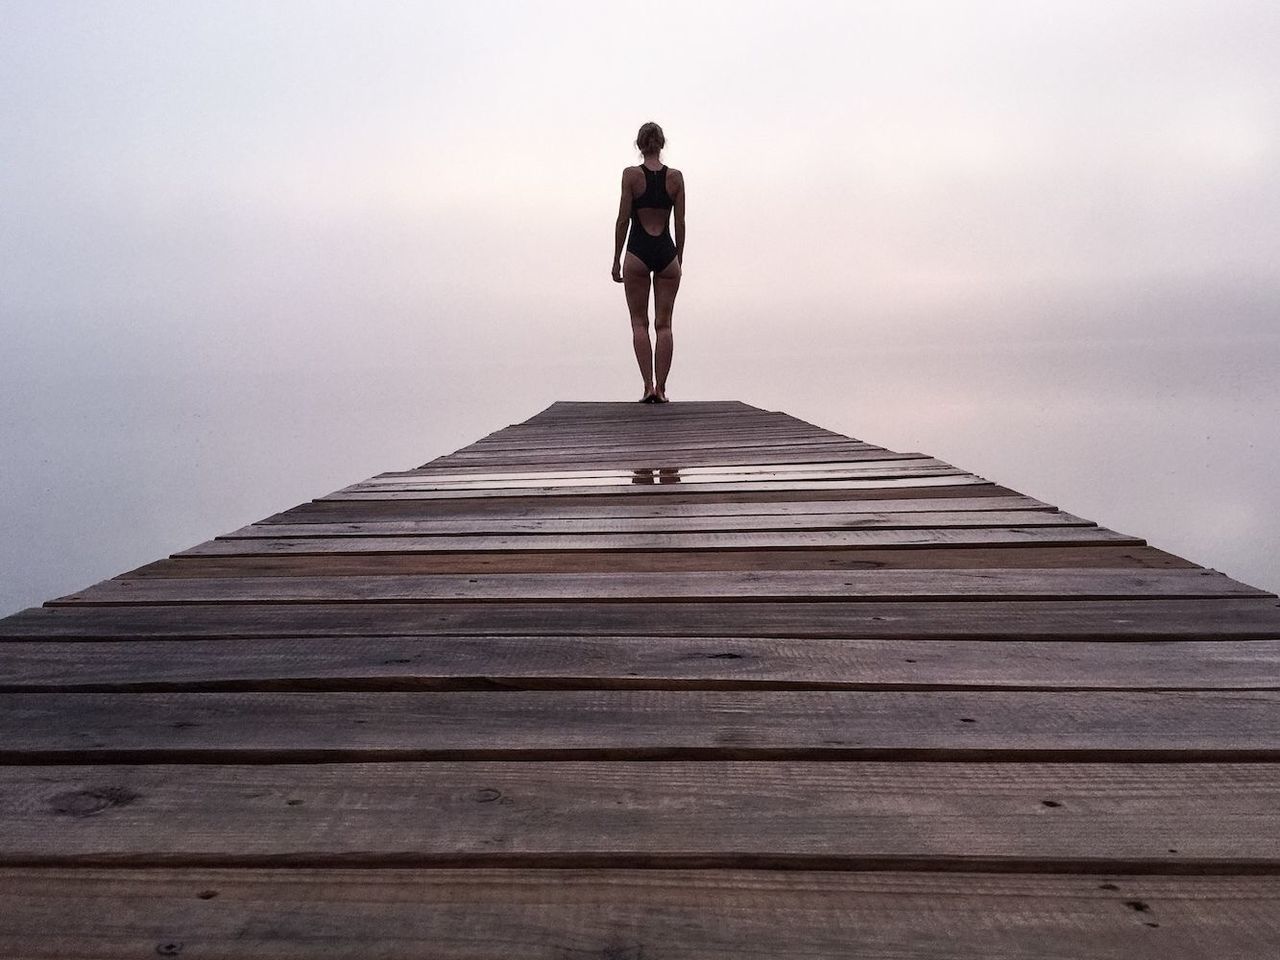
(1173, 443)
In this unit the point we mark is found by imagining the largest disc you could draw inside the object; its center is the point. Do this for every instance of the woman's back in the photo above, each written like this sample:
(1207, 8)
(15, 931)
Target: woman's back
(652, 193)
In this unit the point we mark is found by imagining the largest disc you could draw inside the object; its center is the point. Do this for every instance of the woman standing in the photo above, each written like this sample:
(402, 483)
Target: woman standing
(649, 193)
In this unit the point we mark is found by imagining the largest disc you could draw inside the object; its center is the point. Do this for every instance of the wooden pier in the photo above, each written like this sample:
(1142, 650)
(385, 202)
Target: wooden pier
(637, 682)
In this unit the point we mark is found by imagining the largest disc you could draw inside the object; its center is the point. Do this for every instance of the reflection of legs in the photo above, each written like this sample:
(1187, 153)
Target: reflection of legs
(635, 281)
(665, 285)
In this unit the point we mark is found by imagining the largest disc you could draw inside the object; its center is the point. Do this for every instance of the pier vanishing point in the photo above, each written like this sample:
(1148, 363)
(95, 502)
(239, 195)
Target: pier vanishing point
(634, 682)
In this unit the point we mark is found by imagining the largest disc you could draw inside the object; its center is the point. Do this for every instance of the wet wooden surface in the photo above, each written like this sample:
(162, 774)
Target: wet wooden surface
(641, 682)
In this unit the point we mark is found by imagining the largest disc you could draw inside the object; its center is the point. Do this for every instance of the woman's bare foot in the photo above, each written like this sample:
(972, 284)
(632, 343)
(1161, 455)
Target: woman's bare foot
(659, 395)
(649, 396)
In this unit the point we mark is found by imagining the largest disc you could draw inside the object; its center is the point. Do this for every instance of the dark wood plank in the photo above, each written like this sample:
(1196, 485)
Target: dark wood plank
(443, 914)
(629, 505)
(689, 509)
(668, 542)
(1182, 726)
(869, 585)
(793, 815)
(952, 558)
(921, 620)
(402, 507)
(652, 663)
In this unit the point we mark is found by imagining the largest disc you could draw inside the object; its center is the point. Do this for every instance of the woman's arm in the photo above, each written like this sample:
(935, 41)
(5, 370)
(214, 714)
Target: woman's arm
(679, 204)
(620, 228)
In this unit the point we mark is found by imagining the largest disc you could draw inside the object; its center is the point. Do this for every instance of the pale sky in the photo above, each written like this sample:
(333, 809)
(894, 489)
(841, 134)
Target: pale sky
(253, 251)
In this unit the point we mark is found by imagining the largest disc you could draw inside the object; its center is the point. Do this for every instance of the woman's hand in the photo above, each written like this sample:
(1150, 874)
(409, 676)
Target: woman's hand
(617, 272)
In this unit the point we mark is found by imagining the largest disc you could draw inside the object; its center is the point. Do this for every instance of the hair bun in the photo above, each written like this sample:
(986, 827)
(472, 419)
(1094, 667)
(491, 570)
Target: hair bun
(650, 139)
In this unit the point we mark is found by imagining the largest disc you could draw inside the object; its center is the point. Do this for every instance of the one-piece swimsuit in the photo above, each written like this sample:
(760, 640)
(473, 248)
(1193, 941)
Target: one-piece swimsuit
(656, 252)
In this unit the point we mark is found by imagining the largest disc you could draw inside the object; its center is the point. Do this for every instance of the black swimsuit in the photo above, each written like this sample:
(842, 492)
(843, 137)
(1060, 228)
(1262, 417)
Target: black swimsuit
(655, 252)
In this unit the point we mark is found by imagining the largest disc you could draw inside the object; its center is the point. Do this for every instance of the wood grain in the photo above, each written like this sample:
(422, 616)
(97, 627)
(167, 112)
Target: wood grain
(869, 585)
(749, 540)
(638, 725)
(479, 914)
(640, 663)
(796, 815)
(940, 620)
(862, 520)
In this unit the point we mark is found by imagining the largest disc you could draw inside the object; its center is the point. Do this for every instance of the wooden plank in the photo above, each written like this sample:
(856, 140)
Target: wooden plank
(540, 510)
(923, 620)
(383, 564)
(657, 440)
(942, 478)
(1182, 726)
(408, 508)
(649, 663)
(826, 447)
(625, 458)
(869, 585)
(871, 458)
(667, 542)
(972, 520)
(791, 815)
(444, 914)
(665, 477)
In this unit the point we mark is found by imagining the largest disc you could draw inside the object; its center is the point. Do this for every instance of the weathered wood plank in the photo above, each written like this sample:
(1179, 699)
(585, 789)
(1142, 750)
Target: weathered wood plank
(618, 482)
(652, 663)
(904, 520)
(596, 508)
(667, 542)
(443, 914)
(836, 468)
(627, 505)
(1182, 726)
(375, 564)
(625, 458)
(942, 477)
(476, 475)
(795, 815)
(870, 585)
(921, 620)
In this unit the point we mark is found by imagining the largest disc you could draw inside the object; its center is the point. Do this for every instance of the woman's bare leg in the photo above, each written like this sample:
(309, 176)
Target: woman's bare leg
(635, 281)
(665, 286)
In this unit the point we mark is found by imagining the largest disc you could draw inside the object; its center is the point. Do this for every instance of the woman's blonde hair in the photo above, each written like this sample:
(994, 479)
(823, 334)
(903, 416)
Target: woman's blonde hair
(650, 139)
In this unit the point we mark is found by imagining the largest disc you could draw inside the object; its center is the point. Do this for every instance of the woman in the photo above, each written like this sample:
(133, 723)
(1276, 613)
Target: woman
(649, 192)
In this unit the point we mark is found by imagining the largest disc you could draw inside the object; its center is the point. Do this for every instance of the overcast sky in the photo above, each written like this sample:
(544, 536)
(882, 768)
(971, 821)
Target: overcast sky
(253, 251)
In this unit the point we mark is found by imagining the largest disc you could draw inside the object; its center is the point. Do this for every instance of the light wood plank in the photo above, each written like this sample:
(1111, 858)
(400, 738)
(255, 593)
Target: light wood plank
(794, 815)
(754, 471)
(945, 477)
(666, 477)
